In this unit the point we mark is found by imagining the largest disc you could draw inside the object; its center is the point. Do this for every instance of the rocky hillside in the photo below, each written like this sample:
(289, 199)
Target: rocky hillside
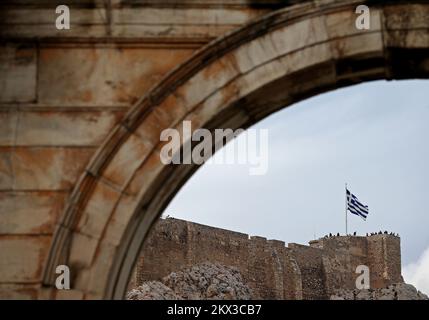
(218, 282)
(400, 291)
(203, 281)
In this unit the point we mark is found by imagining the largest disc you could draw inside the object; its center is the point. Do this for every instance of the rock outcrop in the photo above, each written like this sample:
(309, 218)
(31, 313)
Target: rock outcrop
(400, 291)
(152, 290)
(203, 281)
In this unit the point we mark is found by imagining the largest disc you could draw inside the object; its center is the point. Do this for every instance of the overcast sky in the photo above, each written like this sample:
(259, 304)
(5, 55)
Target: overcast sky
(374, 136)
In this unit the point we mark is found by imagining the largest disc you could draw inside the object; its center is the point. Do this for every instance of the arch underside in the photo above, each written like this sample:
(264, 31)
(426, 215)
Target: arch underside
(234, 82)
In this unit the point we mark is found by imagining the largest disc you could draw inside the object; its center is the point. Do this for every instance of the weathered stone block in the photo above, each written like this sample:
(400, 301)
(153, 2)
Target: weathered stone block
(6, 169)
(8, 123)
(18, 65)
(353, 46)
(46, 168)
(103, 261)
(184, 16)
(127, 159)
(22, 258)
(146, 174)
(40, 16)
(82, 251)
(19, 291)
(341, 24)
(299, 35)
(418, 39)
(404, 16)
(30, 212)
(165, 116)
(95, 76)
(207, 81)
(119, 220)
(69, 295)
(98, 210)
(65, 128)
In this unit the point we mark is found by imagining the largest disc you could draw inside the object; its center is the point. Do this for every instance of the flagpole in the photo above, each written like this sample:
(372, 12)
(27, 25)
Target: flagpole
(346, 209)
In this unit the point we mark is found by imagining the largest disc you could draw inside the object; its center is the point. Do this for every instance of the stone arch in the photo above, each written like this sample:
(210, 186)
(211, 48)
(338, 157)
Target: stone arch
(235, 81)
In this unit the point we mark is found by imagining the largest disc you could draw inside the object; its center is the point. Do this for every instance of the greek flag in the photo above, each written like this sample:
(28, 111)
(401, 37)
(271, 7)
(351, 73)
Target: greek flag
(355, 206)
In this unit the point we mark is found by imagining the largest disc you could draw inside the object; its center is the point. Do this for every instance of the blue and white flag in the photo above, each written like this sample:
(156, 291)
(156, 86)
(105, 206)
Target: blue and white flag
(355, 206)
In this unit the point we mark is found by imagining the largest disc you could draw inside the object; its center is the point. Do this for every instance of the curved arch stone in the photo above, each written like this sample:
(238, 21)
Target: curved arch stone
(280, 59)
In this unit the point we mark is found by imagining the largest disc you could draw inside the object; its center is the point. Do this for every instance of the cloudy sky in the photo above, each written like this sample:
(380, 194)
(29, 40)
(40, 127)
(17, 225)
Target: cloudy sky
(374, 136)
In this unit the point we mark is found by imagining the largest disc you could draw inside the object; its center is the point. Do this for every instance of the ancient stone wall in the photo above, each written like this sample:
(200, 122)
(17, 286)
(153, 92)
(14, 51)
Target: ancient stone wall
(310, 263)
(341, 256)
(263, 264)
(268, 267)
(63, 91)
(384, 259)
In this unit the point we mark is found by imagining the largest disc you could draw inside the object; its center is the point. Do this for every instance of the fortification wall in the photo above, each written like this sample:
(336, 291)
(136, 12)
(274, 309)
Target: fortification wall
(341, 256)
(272, 270)
(309, 261)
(384, 260)
(263, 264)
